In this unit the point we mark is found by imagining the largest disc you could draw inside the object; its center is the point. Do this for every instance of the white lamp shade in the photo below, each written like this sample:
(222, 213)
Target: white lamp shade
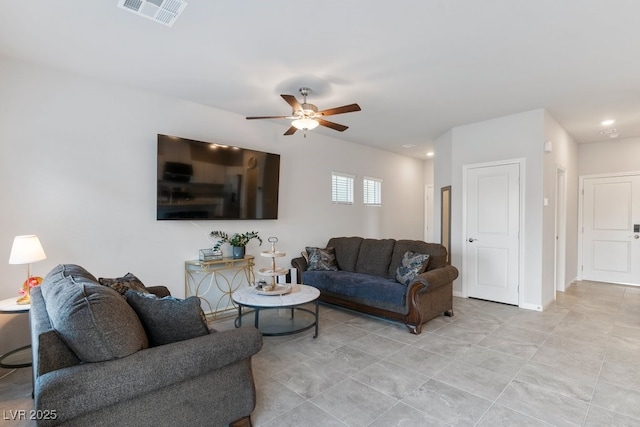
(305, 124)
(26, 249)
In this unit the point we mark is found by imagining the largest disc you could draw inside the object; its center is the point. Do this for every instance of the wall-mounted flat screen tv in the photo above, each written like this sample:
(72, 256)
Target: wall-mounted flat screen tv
(204, 180)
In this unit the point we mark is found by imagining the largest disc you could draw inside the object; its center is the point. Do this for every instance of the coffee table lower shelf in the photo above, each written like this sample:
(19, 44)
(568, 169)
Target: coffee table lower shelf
(283, 314)
(278, 321)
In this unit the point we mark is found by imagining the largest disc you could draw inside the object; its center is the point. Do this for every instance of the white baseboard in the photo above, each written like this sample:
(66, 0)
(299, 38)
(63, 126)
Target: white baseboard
(458, 294)
(531, 307)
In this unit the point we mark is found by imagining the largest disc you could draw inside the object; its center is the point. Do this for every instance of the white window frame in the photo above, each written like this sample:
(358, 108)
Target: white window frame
(372, 191)
(342, 188)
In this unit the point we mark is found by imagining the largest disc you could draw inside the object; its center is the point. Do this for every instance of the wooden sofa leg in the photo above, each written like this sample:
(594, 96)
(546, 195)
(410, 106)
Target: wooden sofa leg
(449, 313)
(242, 422)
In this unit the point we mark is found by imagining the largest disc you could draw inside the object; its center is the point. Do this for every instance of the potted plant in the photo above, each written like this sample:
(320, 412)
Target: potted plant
(238, 241)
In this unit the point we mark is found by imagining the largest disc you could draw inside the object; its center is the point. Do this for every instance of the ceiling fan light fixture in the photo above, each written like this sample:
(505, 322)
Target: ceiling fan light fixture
(305, 124)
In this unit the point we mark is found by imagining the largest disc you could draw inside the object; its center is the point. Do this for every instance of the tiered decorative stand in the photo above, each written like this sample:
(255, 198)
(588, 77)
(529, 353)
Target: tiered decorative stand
(273, 288)
(287, 310)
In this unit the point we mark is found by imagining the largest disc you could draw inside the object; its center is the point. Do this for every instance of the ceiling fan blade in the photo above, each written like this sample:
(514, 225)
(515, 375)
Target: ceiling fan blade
(267, 117)
(291, 100)
(291, 131)
(334, 126)
(340, 110)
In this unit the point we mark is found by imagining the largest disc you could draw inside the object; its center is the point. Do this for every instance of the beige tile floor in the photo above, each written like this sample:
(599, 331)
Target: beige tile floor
(576, 363)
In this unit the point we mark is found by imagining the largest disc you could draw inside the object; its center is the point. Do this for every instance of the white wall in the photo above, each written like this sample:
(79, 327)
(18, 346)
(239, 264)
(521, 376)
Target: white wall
(442, 176)
(517, 136)
(563, 155)
(428, 171)
(617, 155)
(78, 168)
(505, 138)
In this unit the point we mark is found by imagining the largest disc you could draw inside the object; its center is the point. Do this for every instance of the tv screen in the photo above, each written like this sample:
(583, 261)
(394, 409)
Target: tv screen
(203, 180)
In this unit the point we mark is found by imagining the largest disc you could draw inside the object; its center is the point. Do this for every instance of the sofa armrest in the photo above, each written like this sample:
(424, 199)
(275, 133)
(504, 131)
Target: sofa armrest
(54, 354)
(435, 278)
(92, 386)
(300, 264)
(159, 291)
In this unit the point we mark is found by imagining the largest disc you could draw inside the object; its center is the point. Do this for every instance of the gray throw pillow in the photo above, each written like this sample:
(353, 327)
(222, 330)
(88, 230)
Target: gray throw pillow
(168, 319)
(124, 283)
(321, 259)
(410, 266)
(93, 320)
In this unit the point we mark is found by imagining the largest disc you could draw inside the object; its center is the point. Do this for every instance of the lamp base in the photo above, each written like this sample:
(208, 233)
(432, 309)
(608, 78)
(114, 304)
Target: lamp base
(24, 300)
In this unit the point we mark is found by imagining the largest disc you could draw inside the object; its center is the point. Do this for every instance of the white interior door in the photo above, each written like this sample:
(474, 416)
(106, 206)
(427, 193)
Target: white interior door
(610, 245)
(492, 215)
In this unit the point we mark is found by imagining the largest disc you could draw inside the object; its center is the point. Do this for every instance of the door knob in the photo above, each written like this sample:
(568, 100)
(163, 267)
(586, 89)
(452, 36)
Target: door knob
(471, 239)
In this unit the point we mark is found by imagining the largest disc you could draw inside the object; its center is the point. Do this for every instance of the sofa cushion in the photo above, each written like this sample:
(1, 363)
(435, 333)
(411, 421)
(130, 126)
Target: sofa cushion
(374, 256)
(411, 265)
(168, 319)
(347, 249)
(437, 254)
(321, 259)
(373, 291)
(124, 283)
(93, 320)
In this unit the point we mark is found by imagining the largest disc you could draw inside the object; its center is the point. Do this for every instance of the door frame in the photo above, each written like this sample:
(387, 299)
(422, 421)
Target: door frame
(560, 231)
(429, 213)
(581, 179)
(521, 162)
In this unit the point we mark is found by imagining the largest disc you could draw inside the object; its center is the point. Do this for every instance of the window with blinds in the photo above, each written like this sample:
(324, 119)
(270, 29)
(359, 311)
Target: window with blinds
(372, 189)
(342, 188)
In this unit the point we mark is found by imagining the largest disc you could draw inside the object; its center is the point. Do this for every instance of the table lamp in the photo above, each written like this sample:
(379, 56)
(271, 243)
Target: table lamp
(25, 250)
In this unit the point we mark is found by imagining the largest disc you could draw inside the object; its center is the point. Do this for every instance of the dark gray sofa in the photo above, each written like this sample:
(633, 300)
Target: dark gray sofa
(205, 380)
(365, 280)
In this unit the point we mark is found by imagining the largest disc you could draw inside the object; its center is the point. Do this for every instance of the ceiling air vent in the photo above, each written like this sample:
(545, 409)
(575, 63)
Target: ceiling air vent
(163, 11)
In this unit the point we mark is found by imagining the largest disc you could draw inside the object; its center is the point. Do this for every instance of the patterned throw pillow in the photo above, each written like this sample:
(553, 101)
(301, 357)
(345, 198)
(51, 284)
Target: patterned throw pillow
(321, 259)
(411, 265)
(124, 283)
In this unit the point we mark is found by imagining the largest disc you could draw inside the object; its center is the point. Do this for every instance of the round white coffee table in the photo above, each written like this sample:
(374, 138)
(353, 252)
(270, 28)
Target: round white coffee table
(298, 319)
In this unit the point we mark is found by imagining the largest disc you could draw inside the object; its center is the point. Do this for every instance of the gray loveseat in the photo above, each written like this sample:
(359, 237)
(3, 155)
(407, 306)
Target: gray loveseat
(75, 321)
(364, 279)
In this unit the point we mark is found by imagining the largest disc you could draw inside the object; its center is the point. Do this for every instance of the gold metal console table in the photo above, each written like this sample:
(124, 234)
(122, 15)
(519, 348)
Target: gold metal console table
(215, 281)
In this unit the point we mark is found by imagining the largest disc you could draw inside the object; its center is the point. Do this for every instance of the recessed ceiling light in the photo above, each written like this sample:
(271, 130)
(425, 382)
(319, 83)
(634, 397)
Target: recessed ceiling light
(429, 153)
(408, 145)
(607, 122)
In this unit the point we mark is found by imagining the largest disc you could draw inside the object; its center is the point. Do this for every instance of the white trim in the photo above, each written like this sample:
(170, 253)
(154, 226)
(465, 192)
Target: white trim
(531, 306)
(560, 215)
(429, 214)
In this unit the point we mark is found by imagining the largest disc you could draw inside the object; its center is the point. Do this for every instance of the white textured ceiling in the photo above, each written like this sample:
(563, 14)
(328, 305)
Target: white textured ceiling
(417, 68)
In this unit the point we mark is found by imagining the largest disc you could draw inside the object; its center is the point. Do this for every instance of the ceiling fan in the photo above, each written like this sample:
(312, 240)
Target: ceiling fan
(306, 116)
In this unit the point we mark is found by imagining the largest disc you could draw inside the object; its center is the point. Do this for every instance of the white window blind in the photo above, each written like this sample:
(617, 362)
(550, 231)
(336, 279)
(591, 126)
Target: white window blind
(342, 188)
(372, 190)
